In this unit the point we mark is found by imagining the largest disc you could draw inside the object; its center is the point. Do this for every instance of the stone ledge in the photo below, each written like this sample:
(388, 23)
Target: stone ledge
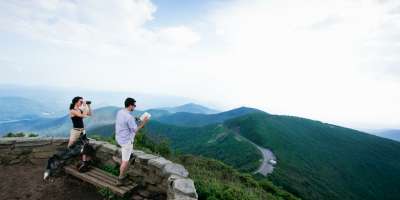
(173, 168)
(156, 174)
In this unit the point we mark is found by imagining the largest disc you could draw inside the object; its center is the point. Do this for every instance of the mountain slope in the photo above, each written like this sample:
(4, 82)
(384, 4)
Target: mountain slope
(197, 120)
(323, 161)
(190, 108)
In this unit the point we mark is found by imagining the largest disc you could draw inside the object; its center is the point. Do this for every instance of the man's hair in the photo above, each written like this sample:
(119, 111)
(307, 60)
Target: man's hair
(129, 101)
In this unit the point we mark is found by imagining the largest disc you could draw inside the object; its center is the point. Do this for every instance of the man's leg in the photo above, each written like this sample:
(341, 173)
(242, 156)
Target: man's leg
(126, 151)
(123, 168)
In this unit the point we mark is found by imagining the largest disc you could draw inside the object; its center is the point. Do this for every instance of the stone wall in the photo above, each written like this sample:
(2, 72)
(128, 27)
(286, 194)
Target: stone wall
(154, 174)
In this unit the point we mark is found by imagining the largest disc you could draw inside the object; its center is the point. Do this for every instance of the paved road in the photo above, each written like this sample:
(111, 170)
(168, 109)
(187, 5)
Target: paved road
(265, 167)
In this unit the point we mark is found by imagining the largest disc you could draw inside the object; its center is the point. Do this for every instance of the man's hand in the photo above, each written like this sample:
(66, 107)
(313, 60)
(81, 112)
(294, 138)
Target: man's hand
(145, 120)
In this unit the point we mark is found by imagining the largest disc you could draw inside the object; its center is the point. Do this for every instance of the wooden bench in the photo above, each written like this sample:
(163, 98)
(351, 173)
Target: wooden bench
(100, 179)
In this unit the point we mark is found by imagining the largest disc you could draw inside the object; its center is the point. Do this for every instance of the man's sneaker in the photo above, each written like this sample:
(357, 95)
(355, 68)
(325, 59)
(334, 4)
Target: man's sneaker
(83, 166)
(122, 181)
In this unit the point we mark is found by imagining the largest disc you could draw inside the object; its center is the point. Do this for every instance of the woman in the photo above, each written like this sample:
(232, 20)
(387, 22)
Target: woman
(78, 110)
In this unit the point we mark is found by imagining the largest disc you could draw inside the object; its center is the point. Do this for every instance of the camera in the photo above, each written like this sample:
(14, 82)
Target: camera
(88, 102)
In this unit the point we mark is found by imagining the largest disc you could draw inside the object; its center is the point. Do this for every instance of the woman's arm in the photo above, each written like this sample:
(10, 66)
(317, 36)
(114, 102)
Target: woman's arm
(78, 113)
(89, 113)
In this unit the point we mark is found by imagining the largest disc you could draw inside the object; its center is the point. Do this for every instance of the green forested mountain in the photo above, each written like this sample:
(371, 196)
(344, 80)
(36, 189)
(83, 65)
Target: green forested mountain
(197, 120)
(315, 160)
(324, 161)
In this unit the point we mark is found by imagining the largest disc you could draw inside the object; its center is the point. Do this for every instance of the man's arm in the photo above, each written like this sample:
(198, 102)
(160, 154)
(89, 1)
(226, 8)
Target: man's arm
(133, 127)
(144, 122)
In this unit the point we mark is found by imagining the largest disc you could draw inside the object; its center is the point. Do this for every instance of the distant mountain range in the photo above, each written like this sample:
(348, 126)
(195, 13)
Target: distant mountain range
(393, 134)
(60, 126)
(190, 108)
(17, 108)
(57, 100)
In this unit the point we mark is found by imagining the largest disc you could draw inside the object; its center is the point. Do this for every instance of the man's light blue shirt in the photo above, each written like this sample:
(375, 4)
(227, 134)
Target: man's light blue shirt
(125, 127)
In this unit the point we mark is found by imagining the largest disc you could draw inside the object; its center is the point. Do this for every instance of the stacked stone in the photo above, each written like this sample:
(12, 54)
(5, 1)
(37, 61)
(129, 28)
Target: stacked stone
(21, 150)
(155, 174)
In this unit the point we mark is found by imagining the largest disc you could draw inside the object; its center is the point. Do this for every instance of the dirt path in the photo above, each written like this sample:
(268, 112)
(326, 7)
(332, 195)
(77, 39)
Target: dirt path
(25, 181)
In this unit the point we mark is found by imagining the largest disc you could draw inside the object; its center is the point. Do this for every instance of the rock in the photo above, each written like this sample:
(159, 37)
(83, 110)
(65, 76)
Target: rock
(107, 147)
(152, 179)
(144, 193)
(32, 143)
(134, 171)
(6, 142)
(184, 186)
(14, 161)
(137, 197)
(144, 158)
(154, 189)
(60, 140)
(173, 168)
(179, 197)
(159, 162)
(96, 144)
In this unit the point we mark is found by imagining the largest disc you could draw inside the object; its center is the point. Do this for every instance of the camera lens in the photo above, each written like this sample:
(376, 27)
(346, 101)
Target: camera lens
(88, 102)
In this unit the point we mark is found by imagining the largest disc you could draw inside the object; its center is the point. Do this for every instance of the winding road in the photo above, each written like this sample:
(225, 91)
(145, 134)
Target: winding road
(266, 167)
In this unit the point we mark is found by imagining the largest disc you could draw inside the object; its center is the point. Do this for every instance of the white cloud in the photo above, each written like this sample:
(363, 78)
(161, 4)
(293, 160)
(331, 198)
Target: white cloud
(93, 24)
(333, 60)
(309, 58)
(180, 35)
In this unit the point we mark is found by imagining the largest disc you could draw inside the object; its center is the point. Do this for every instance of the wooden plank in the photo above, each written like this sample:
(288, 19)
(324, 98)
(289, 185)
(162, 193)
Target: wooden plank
(104, 173)
(94, 181)
(110, 179)
(97, 176)
(100, 174)
(93, 178)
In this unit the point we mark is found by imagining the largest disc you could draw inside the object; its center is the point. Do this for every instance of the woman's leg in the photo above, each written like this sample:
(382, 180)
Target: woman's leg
(73, 137)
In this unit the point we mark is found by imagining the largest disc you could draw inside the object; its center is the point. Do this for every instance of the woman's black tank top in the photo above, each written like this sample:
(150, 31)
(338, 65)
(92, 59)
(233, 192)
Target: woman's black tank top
(77, 122)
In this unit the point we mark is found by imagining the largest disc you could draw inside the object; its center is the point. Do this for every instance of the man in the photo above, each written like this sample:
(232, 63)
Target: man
(125, 131)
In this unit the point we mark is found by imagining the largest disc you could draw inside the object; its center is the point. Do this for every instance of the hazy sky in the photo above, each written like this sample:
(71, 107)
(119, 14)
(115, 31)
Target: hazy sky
(337, 61)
